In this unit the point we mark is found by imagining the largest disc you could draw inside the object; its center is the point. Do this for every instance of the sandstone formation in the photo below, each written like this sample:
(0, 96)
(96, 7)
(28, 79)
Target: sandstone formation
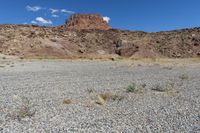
(86, 21)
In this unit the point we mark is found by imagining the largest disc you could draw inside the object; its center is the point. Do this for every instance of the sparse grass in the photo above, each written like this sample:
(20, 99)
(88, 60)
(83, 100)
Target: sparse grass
(163, 88)
(168, 89)
(4, 58)
(90, 91)
(132, 88)
(117, 98)
(24, 110)
(184, 77)
(78, 57)
(159, 88)
(2, 66)
(164, 61)
(108, 97)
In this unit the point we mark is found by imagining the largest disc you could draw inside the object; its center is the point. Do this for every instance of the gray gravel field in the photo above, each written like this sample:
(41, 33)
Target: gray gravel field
(33, 97)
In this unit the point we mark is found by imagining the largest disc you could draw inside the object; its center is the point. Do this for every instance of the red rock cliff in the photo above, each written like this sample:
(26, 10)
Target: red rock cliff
(87, 21)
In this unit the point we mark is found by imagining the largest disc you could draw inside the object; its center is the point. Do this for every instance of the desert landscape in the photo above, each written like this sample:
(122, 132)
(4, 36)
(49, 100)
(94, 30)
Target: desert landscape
(76, 39)
(100, 96)
(86, 77)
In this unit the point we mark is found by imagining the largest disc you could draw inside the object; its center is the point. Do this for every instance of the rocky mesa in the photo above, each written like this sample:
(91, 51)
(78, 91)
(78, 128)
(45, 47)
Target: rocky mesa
(86, 35)
(87, 21)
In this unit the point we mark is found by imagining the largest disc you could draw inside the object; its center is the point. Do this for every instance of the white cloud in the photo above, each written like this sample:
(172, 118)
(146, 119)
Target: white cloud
(40, 20)
(54, 16)
(54, 10)
(43, 21)
(33, 22)
(107, 19)
(34, 8)
(67, 11)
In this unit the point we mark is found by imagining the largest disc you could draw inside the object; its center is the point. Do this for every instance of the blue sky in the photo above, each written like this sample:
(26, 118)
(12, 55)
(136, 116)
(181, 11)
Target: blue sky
(146, 15)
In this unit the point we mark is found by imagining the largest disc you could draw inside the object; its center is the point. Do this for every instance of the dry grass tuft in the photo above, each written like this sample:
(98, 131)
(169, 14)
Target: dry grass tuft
(100, 100)
(67, 101)
(108, 97)
(25, 109)
(168, 87)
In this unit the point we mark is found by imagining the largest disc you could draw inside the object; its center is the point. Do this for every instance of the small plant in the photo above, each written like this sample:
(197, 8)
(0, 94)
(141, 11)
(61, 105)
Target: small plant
(24, 109)
(184, 77)
(132, 88)
(67, 101)
(100, 100)
(158, 88)
(108, 97)
(3, 58)
(24, 112)
(163, 88)
(90, 91)
(117, 98)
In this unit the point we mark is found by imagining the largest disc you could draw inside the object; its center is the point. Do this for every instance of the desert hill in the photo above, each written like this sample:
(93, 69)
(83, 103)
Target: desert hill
(81, 37)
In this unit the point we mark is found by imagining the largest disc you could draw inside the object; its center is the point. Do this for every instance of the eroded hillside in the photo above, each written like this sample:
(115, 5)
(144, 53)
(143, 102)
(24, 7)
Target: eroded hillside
(63, 42)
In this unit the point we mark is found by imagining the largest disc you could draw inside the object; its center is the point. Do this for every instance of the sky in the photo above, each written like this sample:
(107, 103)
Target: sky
(143, 15)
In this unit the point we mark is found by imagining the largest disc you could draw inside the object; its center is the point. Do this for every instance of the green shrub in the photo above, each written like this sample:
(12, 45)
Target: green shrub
(132, 88)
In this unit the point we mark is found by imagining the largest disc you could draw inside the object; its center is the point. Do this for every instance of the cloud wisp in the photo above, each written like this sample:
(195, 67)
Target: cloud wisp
(53, 11)
(34, 8)
(55, 16)
(67, 11)
(41, 21)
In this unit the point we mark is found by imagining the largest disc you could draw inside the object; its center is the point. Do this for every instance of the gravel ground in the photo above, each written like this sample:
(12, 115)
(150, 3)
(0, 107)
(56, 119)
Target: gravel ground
(34, 94)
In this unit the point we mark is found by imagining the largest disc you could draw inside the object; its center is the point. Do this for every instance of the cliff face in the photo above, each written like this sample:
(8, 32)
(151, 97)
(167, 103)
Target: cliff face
(87, 21)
